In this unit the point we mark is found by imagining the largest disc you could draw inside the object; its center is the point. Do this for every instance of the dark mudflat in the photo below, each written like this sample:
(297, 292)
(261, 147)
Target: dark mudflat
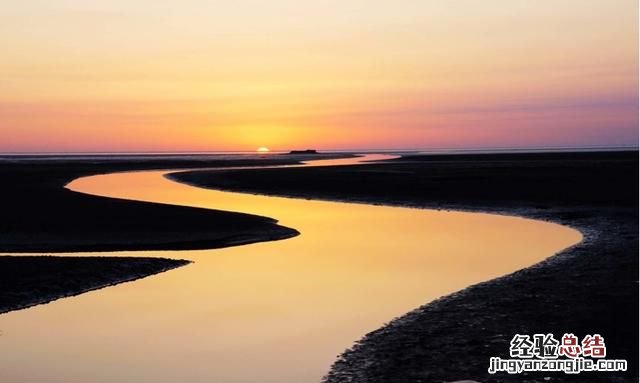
(30, 280)
(480, 181)
(590, 288)
(39, 215)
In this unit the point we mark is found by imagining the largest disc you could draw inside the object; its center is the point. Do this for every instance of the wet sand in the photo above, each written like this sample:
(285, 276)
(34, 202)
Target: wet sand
(589, 288)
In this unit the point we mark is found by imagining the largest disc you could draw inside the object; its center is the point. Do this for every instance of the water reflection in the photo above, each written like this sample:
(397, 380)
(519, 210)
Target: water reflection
(268, 312)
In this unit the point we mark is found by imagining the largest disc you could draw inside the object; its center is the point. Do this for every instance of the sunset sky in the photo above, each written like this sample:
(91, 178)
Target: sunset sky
(196, 75)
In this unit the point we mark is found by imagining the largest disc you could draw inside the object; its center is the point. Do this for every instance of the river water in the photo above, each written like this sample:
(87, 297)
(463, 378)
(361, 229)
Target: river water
(268, 312)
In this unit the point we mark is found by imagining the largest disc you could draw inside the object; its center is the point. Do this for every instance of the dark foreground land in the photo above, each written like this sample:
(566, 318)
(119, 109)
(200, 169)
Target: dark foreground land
(30, 280)
(39, 216)
(589, 288)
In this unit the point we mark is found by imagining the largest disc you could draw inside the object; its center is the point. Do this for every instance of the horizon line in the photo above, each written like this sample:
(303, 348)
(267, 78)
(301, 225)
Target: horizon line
(349, 150)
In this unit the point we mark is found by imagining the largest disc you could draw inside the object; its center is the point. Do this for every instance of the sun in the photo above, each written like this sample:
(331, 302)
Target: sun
(263, 149)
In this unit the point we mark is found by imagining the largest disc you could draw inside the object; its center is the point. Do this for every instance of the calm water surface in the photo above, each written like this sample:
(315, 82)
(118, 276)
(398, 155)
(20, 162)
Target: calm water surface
(269, 312)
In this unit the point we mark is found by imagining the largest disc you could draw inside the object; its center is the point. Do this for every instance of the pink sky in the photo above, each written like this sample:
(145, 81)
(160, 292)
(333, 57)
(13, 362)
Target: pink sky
(84, 76)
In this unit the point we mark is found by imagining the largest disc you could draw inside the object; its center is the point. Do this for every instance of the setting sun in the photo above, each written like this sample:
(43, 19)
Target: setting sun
(263, 149)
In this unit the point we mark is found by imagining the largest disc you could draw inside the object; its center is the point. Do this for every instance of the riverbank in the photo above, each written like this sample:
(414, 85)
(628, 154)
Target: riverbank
(40, 216)
(589, 288)
(27, 281)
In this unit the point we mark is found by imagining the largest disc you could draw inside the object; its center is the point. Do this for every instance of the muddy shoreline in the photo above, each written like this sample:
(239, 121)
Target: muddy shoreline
(27, 281)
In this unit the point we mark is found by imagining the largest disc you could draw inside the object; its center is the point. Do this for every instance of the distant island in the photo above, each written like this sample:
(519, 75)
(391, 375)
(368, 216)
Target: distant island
(307, 151)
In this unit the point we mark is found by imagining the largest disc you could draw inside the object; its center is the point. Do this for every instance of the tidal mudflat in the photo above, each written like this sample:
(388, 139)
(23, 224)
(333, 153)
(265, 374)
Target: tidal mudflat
(591, 287)
(273, 311)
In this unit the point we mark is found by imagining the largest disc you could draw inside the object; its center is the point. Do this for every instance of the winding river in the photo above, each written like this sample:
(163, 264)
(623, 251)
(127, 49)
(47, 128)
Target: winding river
(268, 312)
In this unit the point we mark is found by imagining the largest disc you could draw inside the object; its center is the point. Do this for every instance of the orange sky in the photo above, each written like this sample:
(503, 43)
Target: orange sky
(199, 75)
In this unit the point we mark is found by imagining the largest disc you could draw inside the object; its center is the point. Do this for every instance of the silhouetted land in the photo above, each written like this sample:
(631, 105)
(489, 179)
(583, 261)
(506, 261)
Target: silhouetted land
(589, 288)
(30, 280)
(39, 215)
